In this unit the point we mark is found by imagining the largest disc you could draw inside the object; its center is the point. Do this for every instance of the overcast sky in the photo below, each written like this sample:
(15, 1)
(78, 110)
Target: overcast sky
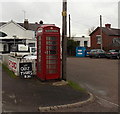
(84, 13)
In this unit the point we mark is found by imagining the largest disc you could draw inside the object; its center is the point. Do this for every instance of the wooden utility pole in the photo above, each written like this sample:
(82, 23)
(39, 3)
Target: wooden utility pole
(69, 28)
(101, 31)
(64, 40)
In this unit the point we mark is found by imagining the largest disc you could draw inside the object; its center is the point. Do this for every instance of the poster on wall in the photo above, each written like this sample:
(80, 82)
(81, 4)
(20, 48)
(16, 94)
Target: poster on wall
(12, 65)
(25, 70)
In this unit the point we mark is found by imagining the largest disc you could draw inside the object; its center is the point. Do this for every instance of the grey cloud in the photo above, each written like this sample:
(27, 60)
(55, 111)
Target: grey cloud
(84, 14)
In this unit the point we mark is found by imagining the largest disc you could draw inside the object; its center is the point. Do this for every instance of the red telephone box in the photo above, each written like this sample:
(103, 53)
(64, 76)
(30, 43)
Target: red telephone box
(48, 52)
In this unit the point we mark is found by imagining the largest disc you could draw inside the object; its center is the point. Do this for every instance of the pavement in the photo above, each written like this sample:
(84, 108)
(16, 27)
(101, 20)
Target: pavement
(32, 95)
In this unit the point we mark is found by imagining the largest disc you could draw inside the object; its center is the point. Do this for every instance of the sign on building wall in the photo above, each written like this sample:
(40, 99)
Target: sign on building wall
(25, 70)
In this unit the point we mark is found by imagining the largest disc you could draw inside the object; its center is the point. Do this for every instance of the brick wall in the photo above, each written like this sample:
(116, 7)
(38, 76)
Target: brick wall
(107, 41)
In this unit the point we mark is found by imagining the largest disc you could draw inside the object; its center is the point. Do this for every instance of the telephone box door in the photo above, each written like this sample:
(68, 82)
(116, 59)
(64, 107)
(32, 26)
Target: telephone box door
(52, 57)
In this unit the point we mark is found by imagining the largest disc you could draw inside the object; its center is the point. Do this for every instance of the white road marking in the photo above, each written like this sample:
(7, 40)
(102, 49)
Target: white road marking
(103, 92)
(107, 101)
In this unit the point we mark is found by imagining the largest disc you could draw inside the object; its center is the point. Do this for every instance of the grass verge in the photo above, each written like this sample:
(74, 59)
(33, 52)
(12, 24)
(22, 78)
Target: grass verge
(76, 86)
(9, 72)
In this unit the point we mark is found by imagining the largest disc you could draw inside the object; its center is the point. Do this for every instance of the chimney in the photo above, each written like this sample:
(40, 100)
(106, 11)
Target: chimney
(108, 26)
(36, 23)
(41, 22)
(26, 24)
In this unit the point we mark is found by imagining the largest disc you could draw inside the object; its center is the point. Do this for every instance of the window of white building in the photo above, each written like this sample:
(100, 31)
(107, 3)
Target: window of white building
(85, 43)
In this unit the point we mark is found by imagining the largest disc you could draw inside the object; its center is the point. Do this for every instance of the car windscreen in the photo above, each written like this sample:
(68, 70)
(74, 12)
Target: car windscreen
(113, 50)
(93, 51)
(101, 50)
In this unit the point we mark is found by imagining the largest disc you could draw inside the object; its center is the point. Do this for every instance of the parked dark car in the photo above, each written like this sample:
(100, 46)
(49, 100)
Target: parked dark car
(112, 54)
(97, 53)
(118, 56)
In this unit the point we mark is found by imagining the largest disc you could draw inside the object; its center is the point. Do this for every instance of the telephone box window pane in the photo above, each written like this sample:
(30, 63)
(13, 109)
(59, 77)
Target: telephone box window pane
(51, 42)
(51, 38)
(39, 48)
(39, 53)
(51, 61)
(39, 38)
(52, 67)
(39, 43)
(49, 52)
(39, 60)
(47, 66)
(39, 67)
(52, 71)
(51, 47)
(53, 52)
(52, 57)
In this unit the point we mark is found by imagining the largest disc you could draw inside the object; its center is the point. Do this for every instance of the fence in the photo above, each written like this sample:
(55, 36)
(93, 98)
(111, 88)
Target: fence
(14, 62)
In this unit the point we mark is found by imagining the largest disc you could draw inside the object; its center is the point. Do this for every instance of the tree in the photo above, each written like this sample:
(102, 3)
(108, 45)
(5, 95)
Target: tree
(71, 47)
(90, 30)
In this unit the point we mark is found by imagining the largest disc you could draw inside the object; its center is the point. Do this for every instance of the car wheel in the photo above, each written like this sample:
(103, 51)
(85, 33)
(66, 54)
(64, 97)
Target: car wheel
(111, 57)
(99, 56)
(118, 57)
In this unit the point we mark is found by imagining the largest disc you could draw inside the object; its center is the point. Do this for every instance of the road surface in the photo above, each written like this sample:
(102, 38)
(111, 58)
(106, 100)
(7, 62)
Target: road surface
(100, 77)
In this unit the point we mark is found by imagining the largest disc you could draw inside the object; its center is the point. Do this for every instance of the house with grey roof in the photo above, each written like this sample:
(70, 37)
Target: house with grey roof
(110, 38)
(17, 33)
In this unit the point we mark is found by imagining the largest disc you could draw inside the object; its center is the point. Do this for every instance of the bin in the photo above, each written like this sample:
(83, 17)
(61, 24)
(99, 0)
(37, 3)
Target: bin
(80, 51)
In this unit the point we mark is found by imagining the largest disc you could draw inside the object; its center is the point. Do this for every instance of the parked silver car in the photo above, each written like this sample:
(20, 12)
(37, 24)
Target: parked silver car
(97, 53)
